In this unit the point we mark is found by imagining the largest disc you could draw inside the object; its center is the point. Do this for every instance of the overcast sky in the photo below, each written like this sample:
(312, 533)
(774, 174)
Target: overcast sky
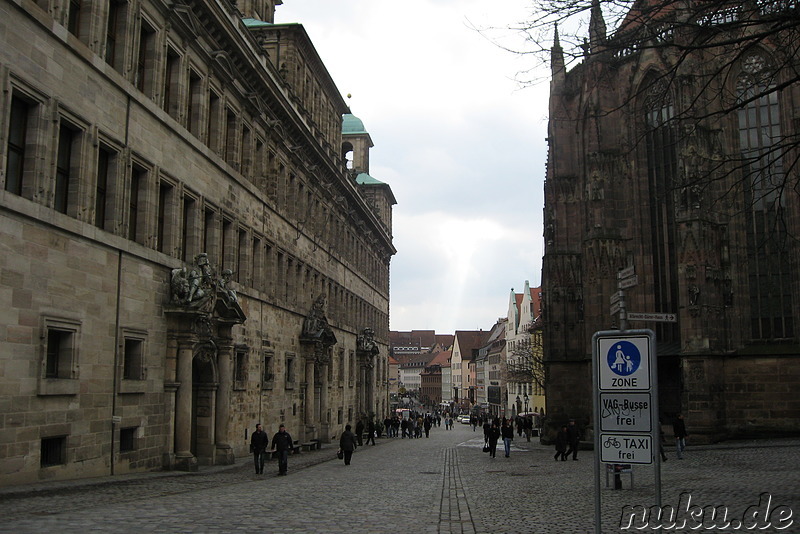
(460, 143)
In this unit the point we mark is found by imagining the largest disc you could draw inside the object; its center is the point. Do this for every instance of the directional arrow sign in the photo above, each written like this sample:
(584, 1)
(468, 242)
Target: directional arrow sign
(626, 272)
(656, 317)
(615, 297)
(614, 308)
(631, 281)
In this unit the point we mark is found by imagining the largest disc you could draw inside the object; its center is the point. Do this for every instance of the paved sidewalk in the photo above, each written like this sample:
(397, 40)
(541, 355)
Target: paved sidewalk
(444, 484)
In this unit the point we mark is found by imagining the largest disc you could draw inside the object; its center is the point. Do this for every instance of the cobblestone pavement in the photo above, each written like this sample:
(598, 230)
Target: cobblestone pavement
(444, 484)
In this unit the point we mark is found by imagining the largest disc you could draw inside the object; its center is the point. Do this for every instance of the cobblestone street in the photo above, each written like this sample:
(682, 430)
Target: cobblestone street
(441, 484)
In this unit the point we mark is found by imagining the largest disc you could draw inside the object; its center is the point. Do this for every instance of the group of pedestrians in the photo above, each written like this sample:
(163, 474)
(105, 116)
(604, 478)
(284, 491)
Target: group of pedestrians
(493, 431)
(568, 440)
(282, 444)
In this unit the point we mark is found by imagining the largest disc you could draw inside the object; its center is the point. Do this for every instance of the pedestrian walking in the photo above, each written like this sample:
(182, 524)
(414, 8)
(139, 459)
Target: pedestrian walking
(507, 432)
(258, 446)
(282, 443)
(427, 425)
(573, 438)
(561, 444)
(347, 444)
(679, 429)
(494, 435)
(359, 431)
(371, 432)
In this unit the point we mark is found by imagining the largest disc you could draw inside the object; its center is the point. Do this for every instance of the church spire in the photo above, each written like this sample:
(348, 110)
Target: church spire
(597, 28)
(557, 69)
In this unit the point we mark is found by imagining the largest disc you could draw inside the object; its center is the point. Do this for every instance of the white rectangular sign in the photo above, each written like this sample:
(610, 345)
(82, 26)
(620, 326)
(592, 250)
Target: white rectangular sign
(624, 363)
(631, 281)
(626, 448)
(625, 412)
(656, 317)
(626, 272)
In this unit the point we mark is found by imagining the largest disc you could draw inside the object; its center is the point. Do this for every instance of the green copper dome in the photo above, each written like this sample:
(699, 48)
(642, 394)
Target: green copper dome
(352, 124)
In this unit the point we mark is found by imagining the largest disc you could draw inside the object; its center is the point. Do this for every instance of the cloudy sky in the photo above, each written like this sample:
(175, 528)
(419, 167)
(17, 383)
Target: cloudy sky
(460, 143)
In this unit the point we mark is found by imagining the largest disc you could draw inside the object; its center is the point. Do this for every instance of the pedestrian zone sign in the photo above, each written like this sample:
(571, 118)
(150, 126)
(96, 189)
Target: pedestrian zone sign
(624, 363)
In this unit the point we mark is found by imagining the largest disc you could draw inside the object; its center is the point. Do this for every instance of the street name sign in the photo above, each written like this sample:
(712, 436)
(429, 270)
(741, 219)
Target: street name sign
(655, 317)
(615, 307)
(626, 272)
(631, 281)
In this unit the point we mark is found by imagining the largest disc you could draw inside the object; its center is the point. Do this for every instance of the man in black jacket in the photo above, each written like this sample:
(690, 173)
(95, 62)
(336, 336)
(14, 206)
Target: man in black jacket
(282, 442)
(258, 446)
(574, 439)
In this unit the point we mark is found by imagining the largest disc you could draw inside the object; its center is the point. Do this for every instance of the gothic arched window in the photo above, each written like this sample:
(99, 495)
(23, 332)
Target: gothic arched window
(761, 147)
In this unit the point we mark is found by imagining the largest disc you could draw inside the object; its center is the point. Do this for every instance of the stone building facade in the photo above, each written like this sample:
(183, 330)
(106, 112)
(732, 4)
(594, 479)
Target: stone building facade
(662, 158)
(187, 252)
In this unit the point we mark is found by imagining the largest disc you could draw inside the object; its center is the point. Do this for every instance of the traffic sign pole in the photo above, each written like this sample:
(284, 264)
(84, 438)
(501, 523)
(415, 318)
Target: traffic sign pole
(625, 385)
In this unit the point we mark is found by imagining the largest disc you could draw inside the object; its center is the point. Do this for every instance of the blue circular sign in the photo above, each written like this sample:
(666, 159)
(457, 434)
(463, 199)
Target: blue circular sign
(623, 358)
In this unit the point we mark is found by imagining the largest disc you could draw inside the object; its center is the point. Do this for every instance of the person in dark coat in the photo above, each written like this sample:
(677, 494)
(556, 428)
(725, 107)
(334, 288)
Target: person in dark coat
(507, 432)
(679, 429)
(258, 446)
(359, 431)
(561, 444)
(282, 443)
(347, 444)
(574, 439)
(494, 435)
(371, 432)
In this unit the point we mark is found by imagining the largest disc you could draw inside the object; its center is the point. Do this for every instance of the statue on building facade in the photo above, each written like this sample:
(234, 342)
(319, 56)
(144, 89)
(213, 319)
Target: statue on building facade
(315, 326)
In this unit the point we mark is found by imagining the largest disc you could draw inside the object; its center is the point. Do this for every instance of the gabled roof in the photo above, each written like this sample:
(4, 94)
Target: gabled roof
(442, 358)
(469, 341)
(392, 361)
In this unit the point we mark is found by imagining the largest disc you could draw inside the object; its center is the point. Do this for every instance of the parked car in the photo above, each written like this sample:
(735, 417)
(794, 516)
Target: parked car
(463, 419)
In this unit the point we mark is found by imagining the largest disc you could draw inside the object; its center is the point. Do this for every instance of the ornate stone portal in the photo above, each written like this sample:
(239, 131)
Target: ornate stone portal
(318, 336)
(366, 351)
(200, 316)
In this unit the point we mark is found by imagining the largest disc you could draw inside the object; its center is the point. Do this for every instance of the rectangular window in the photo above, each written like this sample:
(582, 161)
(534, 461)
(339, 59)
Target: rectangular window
(53, 451)
(74, 17)
(165, 192)
(127, 439)
(66, 146)
(105, 169)
(188, 237)
(115, 24)
(257, 262)
(227, 242)
(290, 370)
(230, 149)
(133, 359)
(241, 260)
(145, 59)
(135, 215)
(193, 103)
(268, 374)
(60, 350)
(212, 130)
(17, 145)
(240, 368)
(172, 82)
(209, 220)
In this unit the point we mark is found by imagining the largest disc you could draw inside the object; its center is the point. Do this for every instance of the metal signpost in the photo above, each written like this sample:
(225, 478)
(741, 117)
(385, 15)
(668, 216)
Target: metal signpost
(625, 384)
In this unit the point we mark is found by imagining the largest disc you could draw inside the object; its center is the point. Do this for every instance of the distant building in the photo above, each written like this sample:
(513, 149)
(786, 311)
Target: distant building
(465, 347)
(524, 351)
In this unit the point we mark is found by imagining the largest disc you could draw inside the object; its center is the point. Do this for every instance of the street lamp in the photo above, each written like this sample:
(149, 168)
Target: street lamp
(525, 397)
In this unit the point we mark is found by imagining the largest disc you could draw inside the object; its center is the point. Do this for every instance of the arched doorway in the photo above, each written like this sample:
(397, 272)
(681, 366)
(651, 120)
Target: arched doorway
(204, 388)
